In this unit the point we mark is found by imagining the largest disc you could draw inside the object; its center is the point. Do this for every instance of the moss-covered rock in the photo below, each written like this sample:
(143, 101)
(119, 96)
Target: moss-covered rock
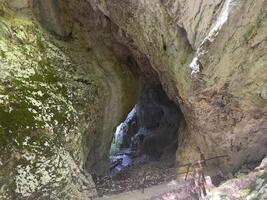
(60, 100)
(40, 129)
(252, 186)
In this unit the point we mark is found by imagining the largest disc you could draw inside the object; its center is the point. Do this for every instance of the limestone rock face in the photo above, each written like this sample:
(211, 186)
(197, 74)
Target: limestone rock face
(223, 105)
(19, 4)
(62, 94)
(230, 114)
(41, 127)
(52, 14)
(249, 186)
(56, 92)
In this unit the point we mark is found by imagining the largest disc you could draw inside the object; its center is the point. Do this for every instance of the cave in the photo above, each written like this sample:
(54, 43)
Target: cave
(105, 97)
(146, 141)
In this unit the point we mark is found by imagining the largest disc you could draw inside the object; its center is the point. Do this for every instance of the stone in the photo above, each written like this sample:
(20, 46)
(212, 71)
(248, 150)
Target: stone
(74, 86)
(51, 15)
(264, 92)
(18, 4)
(218, 102)
(249, 186)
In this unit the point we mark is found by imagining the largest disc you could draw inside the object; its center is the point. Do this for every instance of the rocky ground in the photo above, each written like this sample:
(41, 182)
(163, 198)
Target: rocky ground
(133, 179)
(166, 191)
(247, 186)
(161, 184)
(184, 192)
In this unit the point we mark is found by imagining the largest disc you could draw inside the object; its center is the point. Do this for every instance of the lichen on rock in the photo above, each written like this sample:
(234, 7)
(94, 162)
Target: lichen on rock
(38, 113)
(250, 186)
(63, 92)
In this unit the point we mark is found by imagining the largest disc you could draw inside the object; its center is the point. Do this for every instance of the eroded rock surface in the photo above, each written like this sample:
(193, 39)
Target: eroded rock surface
(62, 95)
(223, 106)
(55, 97)
(40, 126)
(250, 186)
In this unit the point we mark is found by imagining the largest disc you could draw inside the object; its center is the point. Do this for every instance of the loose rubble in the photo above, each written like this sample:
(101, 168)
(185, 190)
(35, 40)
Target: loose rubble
(131, 179)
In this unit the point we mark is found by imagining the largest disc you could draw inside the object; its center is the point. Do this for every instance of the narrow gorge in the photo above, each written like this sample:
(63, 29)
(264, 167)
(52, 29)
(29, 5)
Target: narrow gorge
(102, 97)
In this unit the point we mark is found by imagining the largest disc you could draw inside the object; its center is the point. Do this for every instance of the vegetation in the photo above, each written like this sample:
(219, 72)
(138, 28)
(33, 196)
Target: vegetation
(40, 107)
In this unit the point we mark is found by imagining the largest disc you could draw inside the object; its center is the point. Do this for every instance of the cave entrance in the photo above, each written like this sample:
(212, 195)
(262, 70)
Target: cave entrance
(145, 142)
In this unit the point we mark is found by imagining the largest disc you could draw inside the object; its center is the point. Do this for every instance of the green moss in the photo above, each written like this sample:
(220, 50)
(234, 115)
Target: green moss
(2, 54)
(250, 33)
(33, 86)
(244, 193)
(41, 101)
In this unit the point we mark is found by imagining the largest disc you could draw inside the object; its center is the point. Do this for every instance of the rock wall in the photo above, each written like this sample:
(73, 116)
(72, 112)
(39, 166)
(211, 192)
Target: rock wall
(223, 104)
(56, 92)
(246, 186)
(63, 94)
(73, 21)
(229, 114)
(39, 117)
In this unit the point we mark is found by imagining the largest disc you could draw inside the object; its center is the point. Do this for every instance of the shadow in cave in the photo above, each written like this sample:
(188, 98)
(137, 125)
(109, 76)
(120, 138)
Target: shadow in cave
(144, 145)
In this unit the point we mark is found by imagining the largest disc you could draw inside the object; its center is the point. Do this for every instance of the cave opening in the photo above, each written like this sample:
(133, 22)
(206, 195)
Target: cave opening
(144, 144)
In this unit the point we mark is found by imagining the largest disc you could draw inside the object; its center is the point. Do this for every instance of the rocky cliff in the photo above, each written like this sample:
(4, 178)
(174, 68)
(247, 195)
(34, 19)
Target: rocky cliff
(56, 94)
(71, 70)
(210, 58)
